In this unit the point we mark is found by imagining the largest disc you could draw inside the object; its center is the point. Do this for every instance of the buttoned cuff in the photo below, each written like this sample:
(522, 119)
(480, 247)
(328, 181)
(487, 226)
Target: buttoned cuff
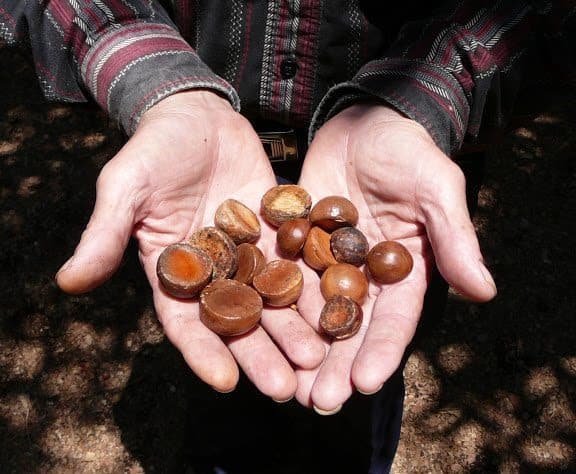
(130, 69)
(423, 92)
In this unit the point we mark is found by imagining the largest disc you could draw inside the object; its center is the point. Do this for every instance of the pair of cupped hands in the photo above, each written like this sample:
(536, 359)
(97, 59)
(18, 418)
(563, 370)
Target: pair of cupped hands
(192, 150)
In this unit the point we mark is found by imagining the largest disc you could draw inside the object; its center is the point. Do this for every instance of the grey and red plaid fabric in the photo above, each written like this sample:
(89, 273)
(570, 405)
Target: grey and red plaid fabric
(296, 62)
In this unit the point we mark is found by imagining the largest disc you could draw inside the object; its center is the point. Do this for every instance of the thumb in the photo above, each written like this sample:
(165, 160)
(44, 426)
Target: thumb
(455, 244)
(104, 240)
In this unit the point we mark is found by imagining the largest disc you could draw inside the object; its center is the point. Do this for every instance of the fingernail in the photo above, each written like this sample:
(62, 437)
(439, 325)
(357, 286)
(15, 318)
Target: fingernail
(283, 401)
(327, 412)
(370, 393)
(487, 276)
(223, 391)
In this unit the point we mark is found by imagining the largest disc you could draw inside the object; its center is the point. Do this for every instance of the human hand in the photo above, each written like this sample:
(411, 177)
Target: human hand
(407, 190)
(190, 152)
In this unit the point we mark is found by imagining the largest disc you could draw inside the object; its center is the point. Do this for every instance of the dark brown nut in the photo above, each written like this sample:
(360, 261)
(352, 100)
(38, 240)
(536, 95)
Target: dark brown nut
(221, 249)
(349, 245)
(285, 202)
(238, 221)
(345, 280)
(230, 308)
(341, 317)
(280, 283)
(183, 270)
(251, 261)
(389, 262)
(316, 251)
(333, 212)
(291, 236)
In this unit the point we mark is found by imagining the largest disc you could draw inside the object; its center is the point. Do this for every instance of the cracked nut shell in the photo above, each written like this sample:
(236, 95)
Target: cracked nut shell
(230, 308)
(183, 270)
(316, 251)
(251, 261)
(280, 283)
(221, 249)
(238, 221)
(341, 317)
(285, 202)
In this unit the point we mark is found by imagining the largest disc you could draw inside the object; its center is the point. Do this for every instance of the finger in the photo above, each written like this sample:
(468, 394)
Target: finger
(104, 240)
(301, 344)
(311, 301)
(263, 364)
(333, 384)
(204, 351)
(455, 244)
(392, 326)
(305, 379)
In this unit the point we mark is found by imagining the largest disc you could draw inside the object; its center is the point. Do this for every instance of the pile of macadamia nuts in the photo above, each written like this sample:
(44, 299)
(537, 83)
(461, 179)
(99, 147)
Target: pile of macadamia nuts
(229, 274)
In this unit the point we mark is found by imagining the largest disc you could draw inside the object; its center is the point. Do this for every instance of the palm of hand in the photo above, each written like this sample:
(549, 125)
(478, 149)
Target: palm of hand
(390, 168)
(165, 183)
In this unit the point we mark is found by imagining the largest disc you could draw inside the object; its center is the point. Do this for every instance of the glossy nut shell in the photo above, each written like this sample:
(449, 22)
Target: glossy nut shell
(221, 249)
(230, 308)
(389, 262)
(316, 251)
(251, 261)
(183, 270)
(341, 317)
(280, 283)
(345, 280)
(333, 212)
(291, 236)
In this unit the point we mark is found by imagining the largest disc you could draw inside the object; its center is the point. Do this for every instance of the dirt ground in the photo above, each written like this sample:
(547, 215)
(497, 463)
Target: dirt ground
(88, 384)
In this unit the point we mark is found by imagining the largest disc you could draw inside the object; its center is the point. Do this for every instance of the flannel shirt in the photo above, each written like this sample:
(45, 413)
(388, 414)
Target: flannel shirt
(297, 62)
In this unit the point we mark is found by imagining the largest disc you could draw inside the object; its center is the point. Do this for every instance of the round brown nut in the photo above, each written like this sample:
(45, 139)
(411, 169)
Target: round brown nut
(349, 245)
(238, 221)
(183, 270)
(316, 251)
(280, 283)
(251, 261)
(333, 212)
(291, 236)
(345, 280)
(389, 262)
(221, 249)
(341, 317)
(230, 308)
(285, 202)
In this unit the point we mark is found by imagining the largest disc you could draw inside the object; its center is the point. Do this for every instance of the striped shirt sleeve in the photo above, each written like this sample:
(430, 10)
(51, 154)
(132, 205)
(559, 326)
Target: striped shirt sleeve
(444, 72)
(126, 54)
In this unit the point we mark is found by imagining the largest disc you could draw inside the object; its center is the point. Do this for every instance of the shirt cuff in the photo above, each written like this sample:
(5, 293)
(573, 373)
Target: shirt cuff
(129, 69)
(423, 92)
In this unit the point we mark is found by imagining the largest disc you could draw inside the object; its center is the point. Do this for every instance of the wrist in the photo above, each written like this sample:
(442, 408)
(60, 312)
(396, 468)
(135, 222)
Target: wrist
(194, 99)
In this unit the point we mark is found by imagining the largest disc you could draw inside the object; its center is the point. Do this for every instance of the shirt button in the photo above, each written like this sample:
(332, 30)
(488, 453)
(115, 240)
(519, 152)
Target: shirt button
(288, 68)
